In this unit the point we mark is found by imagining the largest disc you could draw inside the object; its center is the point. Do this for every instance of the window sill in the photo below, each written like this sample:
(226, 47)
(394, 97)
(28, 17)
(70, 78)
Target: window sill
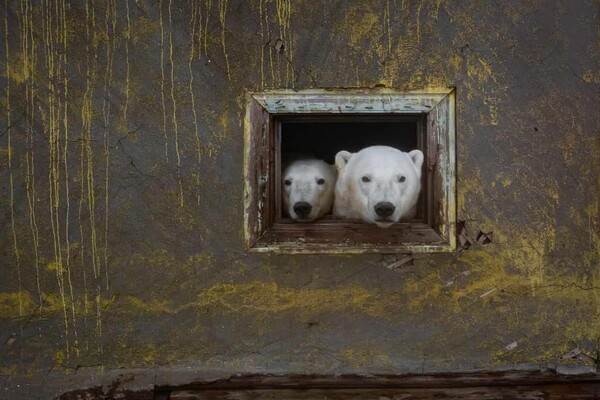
(336, 236)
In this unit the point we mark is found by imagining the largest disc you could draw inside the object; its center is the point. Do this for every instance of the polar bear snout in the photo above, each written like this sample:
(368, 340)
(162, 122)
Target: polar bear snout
(384, 209)
(302, 209)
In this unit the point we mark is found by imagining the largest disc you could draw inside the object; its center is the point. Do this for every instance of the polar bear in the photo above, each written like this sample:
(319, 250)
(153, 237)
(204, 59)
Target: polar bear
(378, 184)
(307, 189)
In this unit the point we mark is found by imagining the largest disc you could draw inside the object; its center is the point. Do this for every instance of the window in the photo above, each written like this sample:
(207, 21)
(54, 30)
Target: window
(322, 122)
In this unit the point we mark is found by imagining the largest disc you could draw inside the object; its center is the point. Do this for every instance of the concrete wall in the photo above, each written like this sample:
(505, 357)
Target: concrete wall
(121, 241)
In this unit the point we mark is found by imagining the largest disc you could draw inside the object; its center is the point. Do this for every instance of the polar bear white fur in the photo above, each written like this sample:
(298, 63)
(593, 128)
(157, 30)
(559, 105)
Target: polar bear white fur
(378, 184)
(307, 189)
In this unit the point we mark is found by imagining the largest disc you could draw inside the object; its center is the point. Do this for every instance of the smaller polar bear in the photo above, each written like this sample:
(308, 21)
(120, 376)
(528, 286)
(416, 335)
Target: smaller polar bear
(307, 189)
(378, 184)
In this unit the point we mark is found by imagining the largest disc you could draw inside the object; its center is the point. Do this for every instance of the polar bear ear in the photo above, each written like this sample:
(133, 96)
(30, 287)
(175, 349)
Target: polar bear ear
(341, 159)
(417, 158)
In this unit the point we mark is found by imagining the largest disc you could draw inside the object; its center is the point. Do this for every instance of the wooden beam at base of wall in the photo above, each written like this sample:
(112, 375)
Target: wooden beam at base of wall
(480, 386)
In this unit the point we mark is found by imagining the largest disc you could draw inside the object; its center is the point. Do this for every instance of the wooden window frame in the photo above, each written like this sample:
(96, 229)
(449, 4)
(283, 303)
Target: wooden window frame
(265, 231)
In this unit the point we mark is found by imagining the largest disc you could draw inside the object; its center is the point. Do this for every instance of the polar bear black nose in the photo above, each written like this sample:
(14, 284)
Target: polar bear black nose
(302, 208)
(384, 209)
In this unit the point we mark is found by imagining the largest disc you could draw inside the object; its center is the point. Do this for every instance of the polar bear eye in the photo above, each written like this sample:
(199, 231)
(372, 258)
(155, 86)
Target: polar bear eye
(401, 178)
(287, 182)
(320, 181)
(366, 179)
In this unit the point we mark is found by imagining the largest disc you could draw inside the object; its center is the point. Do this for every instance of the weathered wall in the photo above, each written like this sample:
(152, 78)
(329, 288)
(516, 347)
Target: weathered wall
(121, 188)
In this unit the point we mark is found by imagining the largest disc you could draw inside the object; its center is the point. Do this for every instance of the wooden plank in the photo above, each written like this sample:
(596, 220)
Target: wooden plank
(441, 165)
(256, 169)
(451, 195)
(349, 117)
(436, 131)
(480, 385)
(333, 235)
(350, 101)
(425, 198)
(278, 200)
(543, 392)
(362, 232)
(443, 379)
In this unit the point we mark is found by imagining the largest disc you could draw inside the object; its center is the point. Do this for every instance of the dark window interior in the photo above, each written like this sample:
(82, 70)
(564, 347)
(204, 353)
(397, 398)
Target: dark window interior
(321, 137)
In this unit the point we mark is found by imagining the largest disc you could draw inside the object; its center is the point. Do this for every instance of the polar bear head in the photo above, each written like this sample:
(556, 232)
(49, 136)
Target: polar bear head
(378, 184)
(307, 189)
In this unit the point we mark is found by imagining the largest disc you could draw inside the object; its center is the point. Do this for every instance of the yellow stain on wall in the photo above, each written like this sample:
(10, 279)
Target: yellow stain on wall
(521, 269)
(520, 261)
(421, 292)
(53, 266)
(224, 123)
(590, 76)
(52, 303)
(569, 143)
(150, 353)
(135, 305)
(12, 370)
(9, 304)
(492, 117)
(200, 260)
(160, 258)
(382, 34)
(363, 24)
(480, 70)
(268, 297)
(522, 249)
(592, 242)
(142, 27)
(456, 62)
(17, 70)
(59, 358)
(470, 186)
(503, 179)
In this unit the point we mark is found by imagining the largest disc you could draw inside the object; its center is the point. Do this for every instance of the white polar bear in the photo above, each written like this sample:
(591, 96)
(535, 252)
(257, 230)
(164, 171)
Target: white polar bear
(378, 184)
(307, 189)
